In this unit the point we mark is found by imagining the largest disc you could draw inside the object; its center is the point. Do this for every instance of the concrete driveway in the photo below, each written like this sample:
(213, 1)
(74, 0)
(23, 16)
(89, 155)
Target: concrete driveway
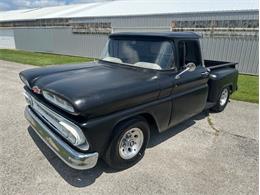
(209, 154)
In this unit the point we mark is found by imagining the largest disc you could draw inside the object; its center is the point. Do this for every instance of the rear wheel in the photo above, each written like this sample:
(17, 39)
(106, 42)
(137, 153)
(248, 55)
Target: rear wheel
(222, 101)
(129, 144)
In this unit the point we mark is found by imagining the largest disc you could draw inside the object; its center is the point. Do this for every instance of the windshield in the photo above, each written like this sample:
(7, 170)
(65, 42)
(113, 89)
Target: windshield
(143, 53)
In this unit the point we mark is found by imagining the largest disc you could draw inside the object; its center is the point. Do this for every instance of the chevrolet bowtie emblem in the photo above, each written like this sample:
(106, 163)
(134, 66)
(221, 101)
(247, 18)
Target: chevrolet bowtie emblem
(36, 89)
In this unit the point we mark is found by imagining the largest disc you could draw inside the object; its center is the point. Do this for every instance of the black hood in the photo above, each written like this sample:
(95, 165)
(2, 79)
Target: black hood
(97, 86)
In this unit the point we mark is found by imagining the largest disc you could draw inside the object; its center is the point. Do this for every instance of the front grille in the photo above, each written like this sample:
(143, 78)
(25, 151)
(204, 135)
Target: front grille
(62, 126)
(47, 115)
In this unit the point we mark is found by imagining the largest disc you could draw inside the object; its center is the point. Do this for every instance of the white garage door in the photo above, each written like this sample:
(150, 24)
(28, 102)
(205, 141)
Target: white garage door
(7, 39)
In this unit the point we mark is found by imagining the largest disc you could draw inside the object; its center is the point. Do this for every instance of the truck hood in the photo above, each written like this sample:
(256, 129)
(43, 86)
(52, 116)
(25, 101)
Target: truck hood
(97, 87)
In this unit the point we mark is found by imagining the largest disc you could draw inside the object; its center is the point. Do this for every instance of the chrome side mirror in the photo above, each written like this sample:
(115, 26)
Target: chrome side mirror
(188, 67)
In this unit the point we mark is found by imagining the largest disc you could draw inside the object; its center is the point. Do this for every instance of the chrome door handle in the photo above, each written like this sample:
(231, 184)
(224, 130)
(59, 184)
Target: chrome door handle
(205, 74)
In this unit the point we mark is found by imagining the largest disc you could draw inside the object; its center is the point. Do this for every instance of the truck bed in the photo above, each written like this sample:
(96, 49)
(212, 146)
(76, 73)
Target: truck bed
(213, 64)
(225, 75)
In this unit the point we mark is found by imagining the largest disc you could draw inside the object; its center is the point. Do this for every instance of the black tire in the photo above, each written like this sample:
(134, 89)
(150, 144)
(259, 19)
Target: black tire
(219, 107)
(112, 156)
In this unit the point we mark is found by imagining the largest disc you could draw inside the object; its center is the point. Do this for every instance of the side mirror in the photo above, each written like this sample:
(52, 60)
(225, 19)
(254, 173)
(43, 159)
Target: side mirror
(191, 66)
(188, 67)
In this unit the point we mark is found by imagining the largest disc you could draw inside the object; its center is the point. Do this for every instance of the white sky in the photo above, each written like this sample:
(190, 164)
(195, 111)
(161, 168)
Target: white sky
(196, 4)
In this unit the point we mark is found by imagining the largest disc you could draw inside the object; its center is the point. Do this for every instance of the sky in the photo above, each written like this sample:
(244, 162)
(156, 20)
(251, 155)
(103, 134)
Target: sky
(23, 4)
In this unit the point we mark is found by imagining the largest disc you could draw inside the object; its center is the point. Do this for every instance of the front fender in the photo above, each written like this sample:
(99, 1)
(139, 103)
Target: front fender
(100, 131)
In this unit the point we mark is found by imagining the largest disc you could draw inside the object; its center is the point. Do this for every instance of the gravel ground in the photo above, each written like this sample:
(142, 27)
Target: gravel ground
(208, 154)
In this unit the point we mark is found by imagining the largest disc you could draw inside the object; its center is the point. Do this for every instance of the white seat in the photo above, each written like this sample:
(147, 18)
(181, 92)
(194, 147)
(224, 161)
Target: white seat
(148, 65)
(112, 59)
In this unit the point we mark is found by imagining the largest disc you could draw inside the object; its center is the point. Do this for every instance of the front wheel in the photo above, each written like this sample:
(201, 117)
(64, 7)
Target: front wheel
(129, 144)
(222, 101)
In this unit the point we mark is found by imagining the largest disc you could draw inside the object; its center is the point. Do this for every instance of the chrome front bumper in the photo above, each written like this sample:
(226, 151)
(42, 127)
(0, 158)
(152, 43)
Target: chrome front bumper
(65, 152)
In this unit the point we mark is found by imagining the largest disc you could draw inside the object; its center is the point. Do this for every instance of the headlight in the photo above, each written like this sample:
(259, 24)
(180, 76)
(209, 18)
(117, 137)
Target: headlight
(24, 81)
(73, 134)
(58, 101)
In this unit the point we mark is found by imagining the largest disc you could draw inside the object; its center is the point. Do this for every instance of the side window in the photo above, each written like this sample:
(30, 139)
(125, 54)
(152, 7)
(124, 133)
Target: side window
(189, 51)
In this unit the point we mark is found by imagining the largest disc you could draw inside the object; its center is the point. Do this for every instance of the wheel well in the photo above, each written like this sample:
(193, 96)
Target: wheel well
(151, 121)
(231, 88)
(148, 117)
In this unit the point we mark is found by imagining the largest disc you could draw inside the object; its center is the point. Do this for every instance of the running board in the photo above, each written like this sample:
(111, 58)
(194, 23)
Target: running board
(209, 105)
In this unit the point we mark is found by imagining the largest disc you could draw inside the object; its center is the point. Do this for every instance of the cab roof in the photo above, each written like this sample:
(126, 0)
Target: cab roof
(169, 35)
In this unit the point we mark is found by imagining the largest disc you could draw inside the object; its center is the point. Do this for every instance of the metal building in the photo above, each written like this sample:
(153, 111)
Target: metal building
(229, 28)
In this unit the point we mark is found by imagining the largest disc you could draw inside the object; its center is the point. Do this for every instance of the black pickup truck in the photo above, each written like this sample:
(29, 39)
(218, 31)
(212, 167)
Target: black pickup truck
(107, 108)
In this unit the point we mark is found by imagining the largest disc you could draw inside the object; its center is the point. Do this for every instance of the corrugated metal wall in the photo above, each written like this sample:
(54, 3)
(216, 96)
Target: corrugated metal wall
(7, 38)
(242, 49)
(59, 40)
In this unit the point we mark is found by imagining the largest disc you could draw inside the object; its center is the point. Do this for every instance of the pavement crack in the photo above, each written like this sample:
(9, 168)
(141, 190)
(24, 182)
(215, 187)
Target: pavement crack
(217, 131)
(241, 136)
(211, 124)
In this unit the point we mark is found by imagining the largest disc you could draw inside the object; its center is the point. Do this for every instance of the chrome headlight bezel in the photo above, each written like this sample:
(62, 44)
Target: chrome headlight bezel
(23, 79)
(57, 101)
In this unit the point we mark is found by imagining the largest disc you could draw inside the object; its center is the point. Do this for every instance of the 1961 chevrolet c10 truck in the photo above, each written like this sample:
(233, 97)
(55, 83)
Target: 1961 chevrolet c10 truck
(106, 109)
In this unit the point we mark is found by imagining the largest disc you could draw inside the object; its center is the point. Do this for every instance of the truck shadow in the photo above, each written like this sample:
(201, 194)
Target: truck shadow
(83, 178)
(77, 178)
(157, 138)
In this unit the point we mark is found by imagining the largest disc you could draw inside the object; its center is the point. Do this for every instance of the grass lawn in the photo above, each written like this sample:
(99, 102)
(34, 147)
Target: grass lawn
(247, 89)
(39, 59)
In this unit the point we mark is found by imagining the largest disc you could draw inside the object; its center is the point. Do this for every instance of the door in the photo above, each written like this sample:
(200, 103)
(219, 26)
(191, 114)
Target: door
(190, 90)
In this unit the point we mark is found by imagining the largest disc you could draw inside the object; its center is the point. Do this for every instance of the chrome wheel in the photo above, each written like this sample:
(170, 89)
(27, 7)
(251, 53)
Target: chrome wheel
(223, 97)
(131, 143)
